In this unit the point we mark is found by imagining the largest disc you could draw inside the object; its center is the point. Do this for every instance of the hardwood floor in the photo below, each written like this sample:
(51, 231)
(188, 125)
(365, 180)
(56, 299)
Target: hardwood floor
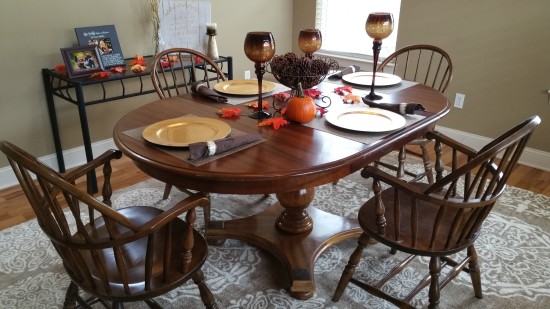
(14, 207)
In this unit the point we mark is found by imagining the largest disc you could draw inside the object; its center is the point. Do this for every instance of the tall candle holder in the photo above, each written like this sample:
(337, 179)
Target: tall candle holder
(378, 26)
(260, 48)
(212, 51)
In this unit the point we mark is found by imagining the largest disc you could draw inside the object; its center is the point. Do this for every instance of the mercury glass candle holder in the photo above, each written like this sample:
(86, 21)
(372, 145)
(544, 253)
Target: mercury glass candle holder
(378, 26)
(309, 41)
(259, 47)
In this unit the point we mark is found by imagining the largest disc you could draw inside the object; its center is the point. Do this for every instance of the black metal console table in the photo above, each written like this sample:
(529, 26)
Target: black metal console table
(72, 90)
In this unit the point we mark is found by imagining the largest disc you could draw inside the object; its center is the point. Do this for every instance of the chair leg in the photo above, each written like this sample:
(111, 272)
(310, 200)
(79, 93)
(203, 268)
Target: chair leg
(70, 296)
(206, 295)
(151, 303)
(427, 163)
(206, 211)
(475, 273)
(118, 305)
(349, 270)
(401, 163)
(167, 190)
(435, 270)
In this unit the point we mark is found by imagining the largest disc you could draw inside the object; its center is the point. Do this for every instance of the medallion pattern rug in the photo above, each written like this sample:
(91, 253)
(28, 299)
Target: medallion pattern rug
(514, 251)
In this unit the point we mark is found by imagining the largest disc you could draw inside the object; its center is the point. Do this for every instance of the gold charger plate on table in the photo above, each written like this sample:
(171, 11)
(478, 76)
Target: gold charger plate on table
(365, 79)
(244, 87)
(365, 119)
(180, 132)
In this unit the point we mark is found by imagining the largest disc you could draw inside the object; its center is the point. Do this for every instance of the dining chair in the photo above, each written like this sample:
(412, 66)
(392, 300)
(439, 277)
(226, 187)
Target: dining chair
(175, 70)
(424, 64)
(436, 220)
(125, 255)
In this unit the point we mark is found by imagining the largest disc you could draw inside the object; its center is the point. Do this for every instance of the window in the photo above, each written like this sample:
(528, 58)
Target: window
(342, 24)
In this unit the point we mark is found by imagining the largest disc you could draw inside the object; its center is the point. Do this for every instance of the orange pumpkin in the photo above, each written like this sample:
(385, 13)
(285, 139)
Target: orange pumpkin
(300, 108)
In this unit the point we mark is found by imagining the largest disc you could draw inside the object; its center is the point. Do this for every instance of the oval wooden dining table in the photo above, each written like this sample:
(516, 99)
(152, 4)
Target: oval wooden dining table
(290, 162)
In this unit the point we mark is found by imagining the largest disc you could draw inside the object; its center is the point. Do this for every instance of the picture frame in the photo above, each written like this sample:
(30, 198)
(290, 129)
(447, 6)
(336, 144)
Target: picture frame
(82, 61)
(106, 39)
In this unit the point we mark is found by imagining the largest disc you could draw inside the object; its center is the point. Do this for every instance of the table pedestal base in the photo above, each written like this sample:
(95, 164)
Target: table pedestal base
(297, 252)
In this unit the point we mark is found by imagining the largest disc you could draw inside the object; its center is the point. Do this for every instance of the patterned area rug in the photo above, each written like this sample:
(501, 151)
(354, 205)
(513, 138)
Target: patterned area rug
(514, 249)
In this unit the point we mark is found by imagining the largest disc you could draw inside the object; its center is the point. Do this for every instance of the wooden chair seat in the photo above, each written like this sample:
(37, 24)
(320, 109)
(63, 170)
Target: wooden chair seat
(436, 220)
(426, 213)
(134, 258)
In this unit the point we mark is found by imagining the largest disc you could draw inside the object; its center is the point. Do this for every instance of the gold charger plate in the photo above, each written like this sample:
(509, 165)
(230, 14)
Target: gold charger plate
(365, 119)
(180, 132)
(244, 87)
(365, 79)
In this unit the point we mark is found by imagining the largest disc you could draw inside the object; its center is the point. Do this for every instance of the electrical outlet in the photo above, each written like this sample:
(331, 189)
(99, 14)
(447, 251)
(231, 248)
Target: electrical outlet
(459, 100)
(246, 74)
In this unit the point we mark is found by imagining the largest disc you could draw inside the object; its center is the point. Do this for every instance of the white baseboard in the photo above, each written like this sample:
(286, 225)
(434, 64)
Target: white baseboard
(75, 157)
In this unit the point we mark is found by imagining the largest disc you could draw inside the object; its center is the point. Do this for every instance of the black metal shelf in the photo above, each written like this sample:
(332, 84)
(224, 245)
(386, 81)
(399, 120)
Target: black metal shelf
(72, 90)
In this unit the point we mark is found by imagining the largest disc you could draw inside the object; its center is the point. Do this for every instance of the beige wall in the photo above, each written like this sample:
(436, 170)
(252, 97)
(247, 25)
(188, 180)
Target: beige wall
(33, 31)
(499, 49)
(500, 52)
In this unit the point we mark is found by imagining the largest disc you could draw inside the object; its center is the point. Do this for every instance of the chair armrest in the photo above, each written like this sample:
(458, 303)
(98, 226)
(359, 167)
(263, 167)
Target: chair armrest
(92, 165)
(378, 174)
(193, 201)
(444, 139)
(410, 188)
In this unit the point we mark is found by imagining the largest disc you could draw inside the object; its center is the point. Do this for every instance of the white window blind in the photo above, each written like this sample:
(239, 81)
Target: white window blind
(342, 25)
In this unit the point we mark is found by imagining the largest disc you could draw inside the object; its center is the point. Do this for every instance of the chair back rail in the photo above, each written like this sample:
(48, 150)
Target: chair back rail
(175, 70)
(422, 63)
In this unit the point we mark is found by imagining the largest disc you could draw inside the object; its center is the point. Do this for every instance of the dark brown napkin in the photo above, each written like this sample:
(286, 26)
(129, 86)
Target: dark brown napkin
(348, 70)
(399, 108)
(205, 149)
(204, 91)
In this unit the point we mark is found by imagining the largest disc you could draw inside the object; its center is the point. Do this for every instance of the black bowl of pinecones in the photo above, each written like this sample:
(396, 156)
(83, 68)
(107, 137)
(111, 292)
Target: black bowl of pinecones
(290, 69)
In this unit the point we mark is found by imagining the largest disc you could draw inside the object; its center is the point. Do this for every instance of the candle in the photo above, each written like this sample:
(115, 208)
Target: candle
(211, 28)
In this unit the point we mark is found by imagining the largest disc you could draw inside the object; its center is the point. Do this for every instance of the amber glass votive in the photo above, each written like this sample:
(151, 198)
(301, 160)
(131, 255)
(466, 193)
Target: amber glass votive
(259, 46)
(310, 40)
(379, 25)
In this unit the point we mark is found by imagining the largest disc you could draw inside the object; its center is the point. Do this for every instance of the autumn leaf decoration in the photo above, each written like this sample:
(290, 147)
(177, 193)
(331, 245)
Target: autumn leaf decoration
(351, 98)
(312, 93)
(101, 75)
(265, 104)
(276, 122)
(60, 69)
(138, 64)
(280, 101)
(119, 69)
(343, 90)
(138, 68)
(138, 60)
(281, 96)
(346, 94)
(229, 112)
